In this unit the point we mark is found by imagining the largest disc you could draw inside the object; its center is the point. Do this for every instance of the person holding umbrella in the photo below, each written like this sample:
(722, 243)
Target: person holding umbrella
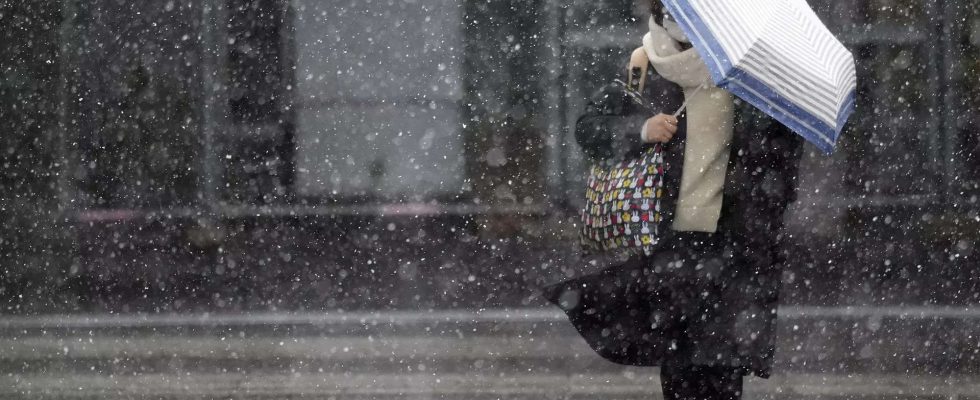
(702, 306)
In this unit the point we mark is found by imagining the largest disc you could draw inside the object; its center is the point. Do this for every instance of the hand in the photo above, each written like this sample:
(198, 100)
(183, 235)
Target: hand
(660, 129)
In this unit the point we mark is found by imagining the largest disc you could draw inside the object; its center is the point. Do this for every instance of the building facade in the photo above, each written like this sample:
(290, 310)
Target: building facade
(298, 138)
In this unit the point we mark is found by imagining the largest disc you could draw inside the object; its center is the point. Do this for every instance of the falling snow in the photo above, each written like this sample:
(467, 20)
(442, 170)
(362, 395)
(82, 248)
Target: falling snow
(364, 198)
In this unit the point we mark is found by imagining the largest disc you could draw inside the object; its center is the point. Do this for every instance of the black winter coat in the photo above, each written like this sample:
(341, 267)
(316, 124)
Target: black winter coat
(702, 299)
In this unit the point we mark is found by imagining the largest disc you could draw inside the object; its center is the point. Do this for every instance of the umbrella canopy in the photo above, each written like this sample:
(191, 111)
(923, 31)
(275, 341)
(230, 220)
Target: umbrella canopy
(778, 56)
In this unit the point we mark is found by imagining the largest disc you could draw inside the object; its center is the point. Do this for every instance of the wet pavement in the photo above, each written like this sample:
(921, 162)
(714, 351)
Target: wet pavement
(825, 353)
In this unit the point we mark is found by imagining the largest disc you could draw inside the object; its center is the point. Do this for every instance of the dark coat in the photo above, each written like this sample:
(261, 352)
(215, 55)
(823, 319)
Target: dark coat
(702, 299)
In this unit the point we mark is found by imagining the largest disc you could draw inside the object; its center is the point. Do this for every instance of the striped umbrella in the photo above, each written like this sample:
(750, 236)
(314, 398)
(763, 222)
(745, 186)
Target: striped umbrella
(778, 56)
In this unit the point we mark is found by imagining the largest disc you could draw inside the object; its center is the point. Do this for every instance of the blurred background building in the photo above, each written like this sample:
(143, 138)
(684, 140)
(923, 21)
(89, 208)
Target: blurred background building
(228, 155)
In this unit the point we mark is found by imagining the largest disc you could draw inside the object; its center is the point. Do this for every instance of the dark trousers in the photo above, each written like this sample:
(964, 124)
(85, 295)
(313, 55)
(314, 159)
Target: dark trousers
(701, 383)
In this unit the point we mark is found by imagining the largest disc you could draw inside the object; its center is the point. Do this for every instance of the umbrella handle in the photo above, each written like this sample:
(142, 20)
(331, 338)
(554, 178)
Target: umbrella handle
(686, 98)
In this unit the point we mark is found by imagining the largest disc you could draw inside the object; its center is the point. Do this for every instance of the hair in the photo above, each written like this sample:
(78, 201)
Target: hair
(656, 7)
(657, 10)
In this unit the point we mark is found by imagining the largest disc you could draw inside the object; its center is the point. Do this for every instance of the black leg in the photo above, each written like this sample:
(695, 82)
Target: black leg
(701, 383)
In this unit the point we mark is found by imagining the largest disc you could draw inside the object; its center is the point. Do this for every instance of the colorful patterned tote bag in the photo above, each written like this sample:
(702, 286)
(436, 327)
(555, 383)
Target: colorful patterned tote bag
(623, 201)
(622, 210)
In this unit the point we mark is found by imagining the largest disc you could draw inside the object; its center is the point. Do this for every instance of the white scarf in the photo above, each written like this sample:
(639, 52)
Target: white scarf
(710, 112)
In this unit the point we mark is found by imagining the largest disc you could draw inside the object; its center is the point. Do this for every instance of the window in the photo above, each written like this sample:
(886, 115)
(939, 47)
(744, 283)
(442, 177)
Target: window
(135, 90)
(378, 89)
(965, 120)
(893, 142)
(600, 37)
(255, 144)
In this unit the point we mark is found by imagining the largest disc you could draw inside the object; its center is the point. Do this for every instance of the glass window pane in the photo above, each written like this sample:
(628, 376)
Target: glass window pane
(889, 144)
(138, 101)
(254, 60)
(378, 91)
(255, 147)
(966, 145)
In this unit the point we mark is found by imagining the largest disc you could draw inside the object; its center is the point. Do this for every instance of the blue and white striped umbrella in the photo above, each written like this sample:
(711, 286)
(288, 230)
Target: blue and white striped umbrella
(778, 56)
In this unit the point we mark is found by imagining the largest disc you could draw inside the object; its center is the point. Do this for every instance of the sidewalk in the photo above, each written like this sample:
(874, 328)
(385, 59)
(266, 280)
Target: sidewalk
(824, 353)
(628, 385)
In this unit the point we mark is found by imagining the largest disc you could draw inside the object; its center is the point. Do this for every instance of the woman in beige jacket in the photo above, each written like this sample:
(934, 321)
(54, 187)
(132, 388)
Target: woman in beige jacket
(703, 306)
